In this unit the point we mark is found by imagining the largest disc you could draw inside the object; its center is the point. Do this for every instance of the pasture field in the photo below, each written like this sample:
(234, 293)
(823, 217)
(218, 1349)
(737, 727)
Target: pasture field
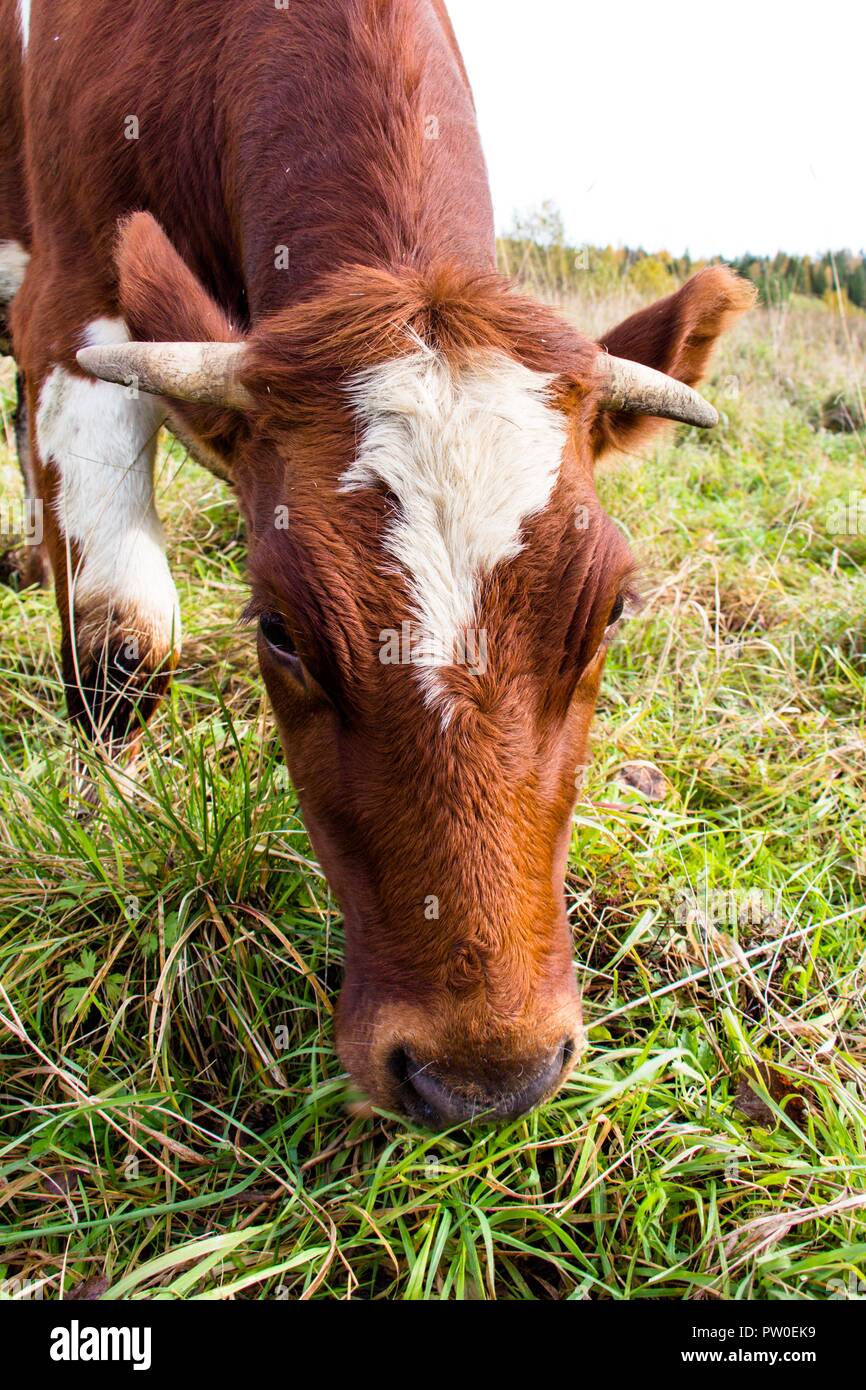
(172, 1113)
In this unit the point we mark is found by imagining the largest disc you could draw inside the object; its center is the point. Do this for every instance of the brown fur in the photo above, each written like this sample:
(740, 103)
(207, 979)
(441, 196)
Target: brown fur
(14, 215)
(311, 129)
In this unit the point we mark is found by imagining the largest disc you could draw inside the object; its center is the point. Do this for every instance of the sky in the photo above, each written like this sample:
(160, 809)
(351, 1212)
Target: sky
(710, 128)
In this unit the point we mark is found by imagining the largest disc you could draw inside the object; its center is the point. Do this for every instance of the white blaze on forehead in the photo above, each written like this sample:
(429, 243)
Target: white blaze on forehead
(13, 264)
(24, 20)
(102, 442)
(470, 456)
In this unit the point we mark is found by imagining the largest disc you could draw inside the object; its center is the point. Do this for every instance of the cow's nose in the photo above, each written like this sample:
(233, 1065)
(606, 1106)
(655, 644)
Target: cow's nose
(438, 1097)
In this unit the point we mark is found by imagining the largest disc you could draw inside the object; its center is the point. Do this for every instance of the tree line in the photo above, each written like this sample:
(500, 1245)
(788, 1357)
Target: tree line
(537, 252)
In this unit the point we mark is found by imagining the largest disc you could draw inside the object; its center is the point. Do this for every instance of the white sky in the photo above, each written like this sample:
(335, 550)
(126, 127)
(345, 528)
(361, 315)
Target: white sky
(715, 128)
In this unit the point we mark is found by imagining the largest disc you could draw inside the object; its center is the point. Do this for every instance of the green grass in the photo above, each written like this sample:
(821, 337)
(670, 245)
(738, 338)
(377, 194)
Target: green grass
(172, 1112)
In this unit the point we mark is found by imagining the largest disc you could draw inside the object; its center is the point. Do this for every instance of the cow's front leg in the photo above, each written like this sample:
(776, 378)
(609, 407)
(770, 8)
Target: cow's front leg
(95, 446)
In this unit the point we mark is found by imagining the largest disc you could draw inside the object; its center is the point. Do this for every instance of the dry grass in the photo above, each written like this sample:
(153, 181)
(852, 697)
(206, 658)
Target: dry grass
(173, 1120)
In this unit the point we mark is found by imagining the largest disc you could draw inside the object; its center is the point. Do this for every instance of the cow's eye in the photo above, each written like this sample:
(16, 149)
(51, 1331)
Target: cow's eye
(281, 645)
(277, 635)
(617, 611)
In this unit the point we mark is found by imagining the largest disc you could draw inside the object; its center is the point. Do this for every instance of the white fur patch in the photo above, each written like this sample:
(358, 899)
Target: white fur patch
(470, 458)
(102, 442)
(105, 333)
(24, 20)
(13, 265)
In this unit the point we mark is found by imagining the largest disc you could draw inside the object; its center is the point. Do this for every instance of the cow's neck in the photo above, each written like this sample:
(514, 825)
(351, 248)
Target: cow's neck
(368, 156)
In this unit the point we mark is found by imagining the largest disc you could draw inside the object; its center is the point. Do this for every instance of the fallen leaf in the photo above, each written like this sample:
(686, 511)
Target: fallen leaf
(59, 1182)
(90, 1290)
(646, 779)
(753, 1105)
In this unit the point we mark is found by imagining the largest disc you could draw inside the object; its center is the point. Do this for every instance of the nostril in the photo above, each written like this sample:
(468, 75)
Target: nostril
(403, 1067)
(436, 1100)
(398, 1065)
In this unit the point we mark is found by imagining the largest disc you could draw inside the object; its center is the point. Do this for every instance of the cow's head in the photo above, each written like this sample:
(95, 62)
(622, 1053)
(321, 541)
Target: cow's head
(436, 587)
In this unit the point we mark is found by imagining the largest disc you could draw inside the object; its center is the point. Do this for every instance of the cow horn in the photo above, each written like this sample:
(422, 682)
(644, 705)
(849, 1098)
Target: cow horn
(207, 373)
(632, 386)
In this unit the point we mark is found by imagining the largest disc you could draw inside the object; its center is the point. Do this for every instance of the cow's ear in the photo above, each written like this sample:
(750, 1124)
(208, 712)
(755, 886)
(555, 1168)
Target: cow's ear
(675, 336)
(162, 301)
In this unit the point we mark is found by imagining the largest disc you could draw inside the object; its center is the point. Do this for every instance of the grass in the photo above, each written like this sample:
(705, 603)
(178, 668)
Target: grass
(172, 1120)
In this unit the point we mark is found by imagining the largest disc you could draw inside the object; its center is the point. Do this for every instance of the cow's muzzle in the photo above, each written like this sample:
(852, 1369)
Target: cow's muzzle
(437, 1097)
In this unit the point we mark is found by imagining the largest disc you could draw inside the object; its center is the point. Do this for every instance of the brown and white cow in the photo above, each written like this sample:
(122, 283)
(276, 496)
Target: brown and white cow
(273, 224)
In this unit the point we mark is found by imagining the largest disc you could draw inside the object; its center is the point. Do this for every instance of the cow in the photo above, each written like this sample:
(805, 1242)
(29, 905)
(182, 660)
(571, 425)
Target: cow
(271, 226)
